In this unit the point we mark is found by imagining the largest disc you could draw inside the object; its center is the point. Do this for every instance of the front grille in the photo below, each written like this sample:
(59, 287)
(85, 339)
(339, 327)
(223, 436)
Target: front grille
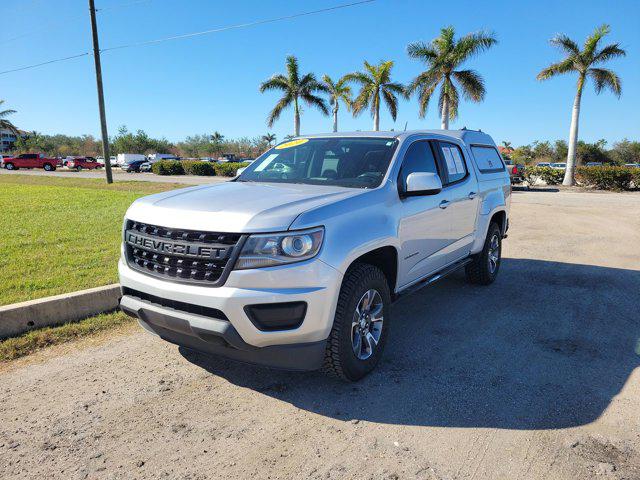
(186, 256)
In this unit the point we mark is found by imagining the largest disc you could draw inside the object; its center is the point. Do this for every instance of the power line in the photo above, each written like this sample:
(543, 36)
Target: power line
(45, 63)
(57, 22)
(196, 34)
(234, 27)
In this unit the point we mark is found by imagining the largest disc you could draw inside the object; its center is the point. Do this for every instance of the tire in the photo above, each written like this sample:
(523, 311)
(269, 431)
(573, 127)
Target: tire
(485, 266)
(10, 166)
(78, 168)
(48, 167)
(341, 359)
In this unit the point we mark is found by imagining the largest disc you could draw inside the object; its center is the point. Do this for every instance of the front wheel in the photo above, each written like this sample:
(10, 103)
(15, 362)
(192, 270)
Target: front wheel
(48, 167)
(361, 324)
(10, 166)
(484, 268)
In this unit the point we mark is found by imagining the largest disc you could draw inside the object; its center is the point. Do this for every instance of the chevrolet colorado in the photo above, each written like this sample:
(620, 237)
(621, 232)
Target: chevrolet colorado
(295, 263)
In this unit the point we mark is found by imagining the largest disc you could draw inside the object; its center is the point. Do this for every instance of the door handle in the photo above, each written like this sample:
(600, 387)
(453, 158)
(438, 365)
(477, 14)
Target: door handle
(472, 195)
(444, 204)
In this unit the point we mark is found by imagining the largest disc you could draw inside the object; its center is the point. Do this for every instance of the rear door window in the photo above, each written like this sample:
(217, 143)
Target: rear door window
(453, 162)
(487, 158)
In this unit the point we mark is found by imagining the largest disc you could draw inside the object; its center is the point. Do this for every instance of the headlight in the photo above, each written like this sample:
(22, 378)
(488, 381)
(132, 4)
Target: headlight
(271, 249)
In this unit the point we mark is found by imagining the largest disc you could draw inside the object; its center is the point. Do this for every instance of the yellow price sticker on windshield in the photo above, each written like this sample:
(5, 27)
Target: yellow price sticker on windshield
(292, 143)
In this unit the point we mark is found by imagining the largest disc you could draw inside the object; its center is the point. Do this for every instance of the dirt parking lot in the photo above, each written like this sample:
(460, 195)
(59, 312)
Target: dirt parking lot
(535, 376)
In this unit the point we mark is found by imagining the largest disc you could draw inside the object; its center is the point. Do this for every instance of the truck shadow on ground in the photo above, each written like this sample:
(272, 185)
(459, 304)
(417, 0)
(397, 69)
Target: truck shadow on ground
(547, 346)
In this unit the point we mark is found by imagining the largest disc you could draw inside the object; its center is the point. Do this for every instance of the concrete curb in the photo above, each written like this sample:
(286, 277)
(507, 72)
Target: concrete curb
(21, 317)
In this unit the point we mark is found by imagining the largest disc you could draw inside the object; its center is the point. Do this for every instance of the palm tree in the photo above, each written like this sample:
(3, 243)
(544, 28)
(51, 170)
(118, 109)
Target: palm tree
(583, 63)
(269, 138)
(4, 123)
(375, 82)
(443, 55)
(294, 87)
(338, 91)
(217, 137)
(506, 145)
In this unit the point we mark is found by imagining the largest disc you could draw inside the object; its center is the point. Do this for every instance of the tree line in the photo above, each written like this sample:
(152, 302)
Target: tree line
(620, 153)
(195, 146)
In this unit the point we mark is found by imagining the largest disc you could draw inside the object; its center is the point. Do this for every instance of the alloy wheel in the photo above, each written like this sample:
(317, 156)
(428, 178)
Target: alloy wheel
(366, 326)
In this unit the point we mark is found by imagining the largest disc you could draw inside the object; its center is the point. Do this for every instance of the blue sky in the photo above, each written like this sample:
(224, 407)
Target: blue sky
(209, 83)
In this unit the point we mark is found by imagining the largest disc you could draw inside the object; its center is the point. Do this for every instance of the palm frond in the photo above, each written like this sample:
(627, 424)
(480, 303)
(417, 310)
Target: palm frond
(565, 43)
(472, 84)
(292, 69)
(362, 100)
(315, 101)
(605, 78)
(276, 82)
(472, 44)
(358, 77)
(391, 101)
(608, 52)
(422, 51)
(567, 65)
(591, 43)
(283, 103)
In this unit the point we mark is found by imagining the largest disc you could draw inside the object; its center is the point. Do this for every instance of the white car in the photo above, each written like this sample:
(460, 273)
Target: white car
(559, 166)
(295, 263)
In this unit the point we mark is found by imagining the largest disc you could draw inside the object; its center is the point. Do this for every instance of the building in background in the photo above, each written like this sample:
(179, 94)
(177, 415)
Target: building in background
(8, 139)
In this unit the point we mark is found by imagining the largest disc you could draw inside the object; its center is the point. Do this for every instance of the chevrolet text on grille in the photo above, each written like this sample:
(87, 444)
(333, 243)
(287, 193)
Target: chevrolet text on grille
(202, 251)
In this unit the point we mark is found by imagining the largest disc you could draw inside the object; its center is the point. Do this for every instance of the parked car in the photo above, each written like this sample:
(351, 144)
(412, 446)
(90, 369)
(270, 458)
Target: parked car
(632, 165)
(82, 163)
(30, 160)
(593, 164)
(133, 165)
(516, 172)
(227, 157)
(543, 164)
(145, 167)
(559, 166)
(112, 160)
(296, 262)
(154, 157)
(124, 158)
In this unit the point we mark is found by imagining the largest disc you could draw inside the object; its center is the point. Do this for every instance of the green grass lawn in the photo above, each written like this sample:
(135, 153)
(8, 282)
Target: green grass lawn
(60, 235)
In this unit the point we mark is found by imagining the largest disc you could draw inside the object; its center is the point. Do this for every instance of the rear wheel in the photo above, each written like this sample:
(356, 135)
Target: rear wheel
(484, 268)
(48, 167)
(10, 166)
(78, 168)
(361, 324)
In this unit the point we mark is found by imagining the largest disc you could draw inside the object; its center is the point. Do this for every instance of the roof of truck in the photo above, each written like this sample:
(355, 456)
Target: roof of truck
(467, 136)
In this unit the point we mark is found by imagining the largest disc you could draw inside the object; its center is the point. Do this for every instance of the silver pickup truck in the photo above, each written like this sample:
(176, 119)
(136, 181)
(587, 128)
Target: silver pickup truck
(295, 263)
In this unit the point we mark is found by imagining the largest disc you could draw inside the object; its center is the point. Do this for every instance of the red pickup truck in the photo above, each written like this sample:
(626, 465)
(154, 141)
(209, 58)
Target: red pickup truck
(30, 160)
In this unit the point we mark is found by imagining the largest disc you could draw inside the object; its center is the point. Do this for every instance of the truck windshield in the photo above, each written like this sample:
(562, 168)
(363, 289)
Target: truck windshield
(355, 162)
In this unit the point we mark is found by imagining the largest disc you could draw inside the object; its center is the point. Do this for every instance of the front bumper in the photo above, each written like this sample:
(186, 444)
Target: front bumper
(301, 348)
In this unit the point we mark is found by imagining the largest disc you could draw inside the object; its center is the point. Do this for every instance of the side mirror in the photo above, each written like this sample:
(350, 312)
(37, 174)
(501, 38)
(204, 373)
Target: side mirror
(422, 183)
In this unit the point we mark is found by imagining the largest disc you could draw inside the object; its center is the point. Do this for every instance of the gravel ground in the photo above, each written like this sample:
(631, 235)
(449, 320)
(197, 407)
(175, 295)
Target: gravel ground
(533, 377)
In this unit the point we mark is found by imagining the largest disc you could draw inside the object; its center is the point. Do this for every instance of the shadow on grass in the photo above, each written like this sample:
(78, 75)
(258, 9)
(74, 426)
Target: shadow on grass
(547, 346)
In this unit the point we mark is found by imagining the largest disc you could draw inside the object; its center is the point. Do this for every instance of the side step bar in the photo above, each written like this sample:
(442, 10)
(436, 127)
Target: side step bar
(432, 278)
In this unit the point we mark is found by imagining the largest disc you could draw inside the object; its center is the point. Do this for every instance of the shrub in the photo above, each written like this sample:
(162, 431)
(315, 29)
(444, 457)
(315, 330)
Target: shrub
(551, 176)
(228, 169)
(532, 174)
(607, 177)
(198, 168)
(167, 167)
(636, 177)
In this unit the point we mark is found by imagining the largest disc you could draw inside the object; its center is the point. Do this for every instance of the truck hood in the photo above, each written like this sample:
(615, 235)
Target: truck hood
(236, 207)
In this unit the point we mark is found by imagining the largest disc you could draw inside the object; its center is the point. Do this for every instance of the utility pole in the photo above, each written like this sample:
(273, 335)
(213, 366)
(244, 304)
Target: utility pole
(103, 117)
